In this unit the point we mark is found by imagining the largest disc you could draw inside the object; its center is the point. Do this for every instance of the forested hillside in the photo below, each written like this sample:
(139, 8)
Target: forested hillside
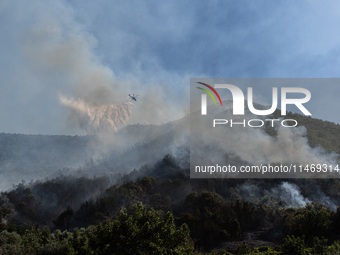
(218, 212)
(157, 206)
(319, 132)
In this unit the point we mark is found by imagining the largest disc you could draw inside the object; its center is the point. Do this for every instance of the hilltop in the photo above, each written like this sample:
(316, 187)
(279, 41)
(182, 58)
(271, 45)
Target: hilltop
(151, 168)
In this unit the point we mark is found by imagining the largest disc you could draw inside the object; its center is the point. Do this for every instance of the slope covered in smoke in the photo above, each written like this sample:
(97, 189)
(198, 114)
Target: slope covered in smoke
(149, 164)
(39, 156)
(272, 143)
(319, 132)
(26, 157)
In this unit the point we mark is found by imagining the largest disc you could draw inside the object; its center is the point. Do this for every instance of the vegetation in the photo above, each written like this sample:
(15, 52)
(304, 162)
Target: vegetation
(158, 209)
(141, 232)
(199, 214)
(319, 132)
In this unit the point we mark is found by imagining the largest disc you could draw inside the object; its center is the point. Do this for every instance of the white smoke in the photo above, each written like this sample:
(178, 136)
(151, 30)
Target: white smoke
(320, 197)
(251, 145)
(290, 194)
(249, 192)
(98, 118)
(63, 54)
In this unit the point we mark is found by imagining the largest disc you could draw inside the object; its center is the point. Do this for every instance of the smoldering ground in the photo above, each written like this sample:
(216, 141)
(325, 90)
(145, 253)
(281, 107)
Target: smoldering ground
(287, 192)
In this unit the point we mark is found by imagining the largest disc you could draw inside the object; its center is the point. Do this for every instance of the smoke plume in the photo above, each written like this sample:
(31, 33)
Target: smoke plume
(290, 194)
(62, 53)
(245, 145)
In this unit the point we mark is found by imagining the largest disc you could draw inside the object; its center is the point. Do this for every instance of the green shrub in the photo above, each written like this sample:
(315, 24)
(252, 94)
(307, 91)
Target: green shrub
(143, 232)
(293, 246)
(243, 249)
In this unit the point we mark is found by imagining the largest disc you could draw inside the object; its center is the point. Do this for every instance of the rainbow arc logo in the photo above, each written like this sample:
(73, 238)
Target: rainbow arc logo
(209, 93)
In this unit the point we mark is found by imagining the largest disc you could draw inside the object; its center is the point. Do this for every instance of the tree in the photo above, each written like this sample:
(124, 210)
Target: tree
(311, 223)
(293, 246)
(142, 232)
(243, 249)
(64, 219)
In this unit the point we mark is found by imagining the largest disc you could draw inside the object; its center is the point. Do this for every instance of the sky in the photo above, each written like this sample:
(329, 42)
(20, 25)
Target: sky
(152, 48)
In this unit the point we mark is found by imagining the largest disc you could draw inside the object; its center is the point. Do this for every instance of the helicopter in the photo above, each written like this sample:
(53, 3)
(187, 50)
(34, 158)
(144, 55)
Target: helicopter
(133, 97)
